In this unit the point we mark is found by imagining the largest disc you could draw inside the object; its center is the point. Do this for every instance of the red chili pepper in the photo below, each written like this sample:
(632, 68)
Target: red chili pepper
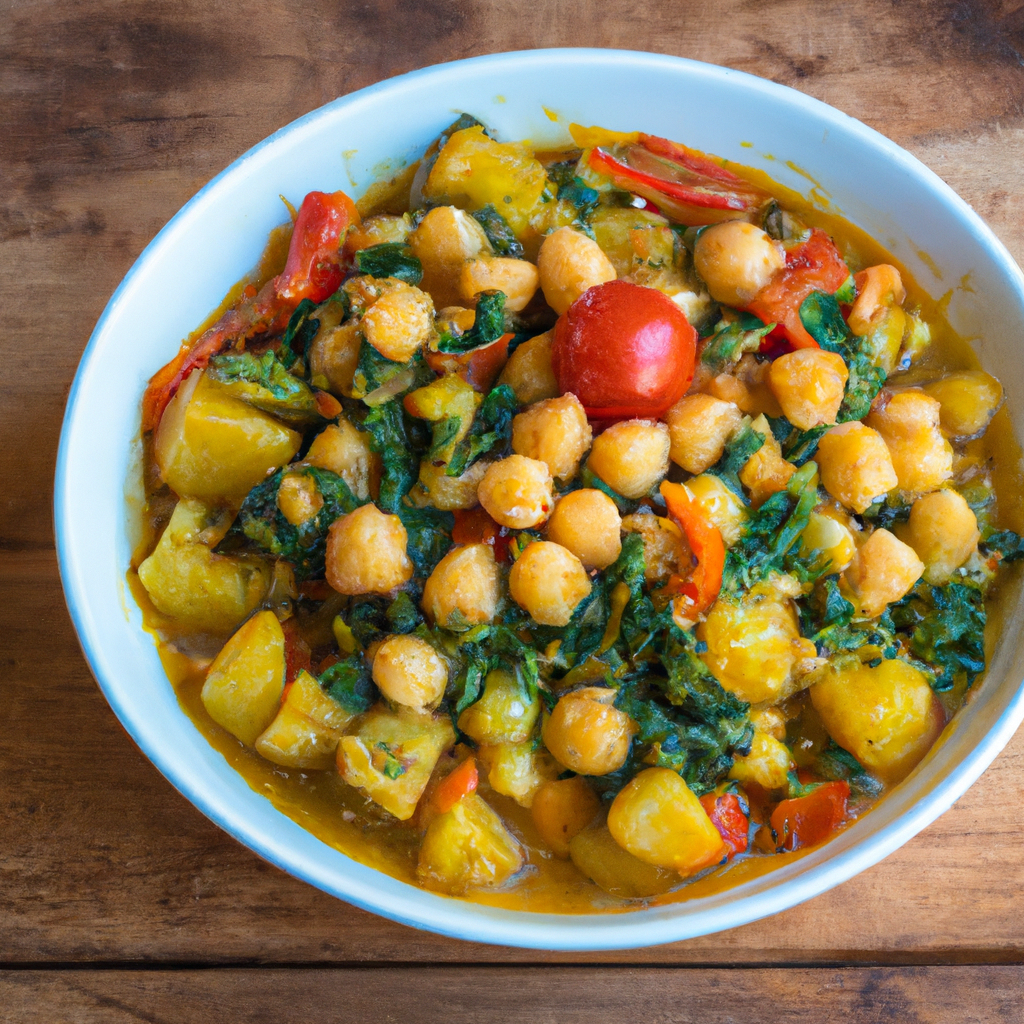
(313, 269)
(696, 594)
(457, 784)
(475, 526)
(808, 820)
(727, 816)
(812, 266)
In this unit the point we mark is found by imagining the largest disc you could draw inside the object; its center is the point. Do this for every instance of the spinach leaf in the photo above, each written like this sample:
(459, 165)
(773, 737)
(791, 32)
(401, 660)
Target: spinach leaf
(574, 190)
(888, 510)
(488, 326)
(834, 764)
(389, 438)
(1007, 544)
(499, 234)
(745, 443)
(491, 430)
(263, 382)
(376, 373)
(299, 333)
(731, 338)
(801, 445)
(390, 259)
(430, 535)
(348, 682)
(826, 618)
(691, 685)
(823, 321)
(403, 616)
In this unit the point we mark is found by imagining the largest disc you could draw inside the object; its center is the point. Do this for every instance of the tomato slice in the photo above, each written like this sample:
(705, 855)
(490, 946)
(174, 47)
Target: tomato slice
(808, 820)
(457, 784)
(727, 816)
(696, 594)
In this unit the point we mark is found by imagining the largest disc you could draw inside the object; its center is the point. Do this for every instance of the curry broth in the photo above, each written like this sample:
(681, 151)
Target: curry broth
(342, 818)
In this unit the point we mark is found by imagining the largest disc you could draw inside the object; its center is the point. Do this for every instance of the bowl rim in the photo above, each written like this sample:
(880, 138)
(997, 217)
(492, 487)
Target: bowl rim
(444, 915)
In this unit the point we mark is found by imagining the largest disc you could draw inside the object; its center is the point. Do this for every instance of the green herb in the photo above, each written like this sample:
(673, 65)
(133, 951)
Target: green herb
(491, 430)
(389, 438)
(731, 338)
(390, 259)
(429, 536)
(348, 682)
(1007, 544)
(499, 234)
(834, 764)
(826, 618)
(890, 509)
(403, 615)
(263, 382)
(393, 768)
(488, 326)
(376, 373)
(801, 445)
(744, 444)
(299, 333)
(574, 190)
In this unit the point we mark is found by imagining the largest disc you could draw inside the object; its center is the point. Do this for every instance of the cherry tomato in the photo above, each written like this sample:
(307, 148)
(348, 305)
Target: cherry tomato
(624, 351)
(727, 816)
(807, 820)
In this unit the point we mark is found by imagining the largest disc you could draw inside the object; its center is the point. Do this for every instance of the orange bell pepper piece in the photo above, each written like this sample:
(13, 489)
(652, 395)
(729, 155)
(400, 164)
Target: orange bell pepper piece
(457, 784)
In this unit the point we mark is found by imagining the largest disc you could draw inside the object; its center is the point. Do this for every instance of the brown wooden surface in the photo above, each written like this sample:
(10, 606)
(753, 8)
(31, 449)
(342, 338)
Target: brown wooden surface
(111, 116)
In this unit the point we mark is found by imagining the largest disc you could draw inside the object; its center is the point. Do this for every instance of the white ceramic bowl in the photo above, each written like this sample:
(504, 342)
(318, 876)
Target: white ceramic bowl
(215, 239)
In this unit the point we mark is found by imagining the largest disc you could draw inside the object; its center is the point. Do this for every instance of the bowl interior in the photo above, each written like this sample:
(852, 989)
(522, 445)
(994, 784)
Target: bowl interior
(216, 238)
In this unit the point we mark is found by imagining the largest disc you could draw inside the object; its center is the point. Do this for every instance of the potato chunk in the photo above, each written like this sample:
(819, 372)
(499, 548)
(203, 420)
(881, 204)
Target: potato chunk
(504, 714)
(887, 716)
(391, 755)
(809, 384)
(307, 728)
(631, 457)
(657, 818)
(445, 492)
(943, 530)
(517, 492)
(529, 372)
(855, 464)
(699, 427)
(410, 672)
(548, 581)
(443, 242)
(212, 446)
(464, 585)
(909, 425)
(334, 357)
(967, 401)
(832, 539)
(344, 450)
(587, 734)
(467, 847)
(570, 263)
(619, 873)
(366, 553)
(882, 571)
(555, 432)
(243, 686)
(664, 544)
(561, 809)
(587, 523)
(766, 472)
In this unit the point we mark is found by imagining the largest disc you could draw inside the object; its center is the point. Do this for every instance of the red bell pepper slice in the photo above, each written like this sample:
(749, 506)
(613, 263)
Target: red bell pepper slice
(808, 820)
(313, 269)
(727, 816)
(696, 594)
(812, 266)
(478, 367)
(475, 526)
(456, 785)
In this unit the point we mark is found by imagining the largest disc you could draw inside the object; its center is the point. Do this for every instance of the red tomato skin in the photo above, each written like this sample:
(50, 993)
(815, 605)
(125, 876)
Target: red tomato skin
(727, 816)
(624, 351)
(313, 268)
(808, 820)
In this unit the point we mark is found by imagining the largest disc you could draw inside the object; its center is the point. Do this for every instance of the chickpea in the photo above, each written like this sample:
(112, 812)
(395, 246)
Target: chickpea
(298, 498)
(657, 818)
(967, 402)
(631, 457)
(436, 488)
(768, 763)
(466, 582)
(346, 451)
(699, 427)
(529, 373)
(832, 539)
(410, 672)
(721, 504)
(517, 492)
(587, 734)
(399, 323)
(555, 432)
(736, 260)
(587, 523)
(809, 384)
(909, 424)
(855, 465)
(943, 530)
(569, 263)
(879, 289)
(882, 571)
(366, 553)
(334, 356)
(548, 581)
(561, 809)
(517, 279)
(665, 547)
(443, 241)
(766, 472)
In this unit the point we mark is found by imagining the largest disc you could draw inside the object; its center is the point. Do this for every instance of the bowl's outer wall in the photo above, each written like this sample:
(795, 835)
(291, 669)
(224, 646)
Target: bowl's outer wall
(214, 241)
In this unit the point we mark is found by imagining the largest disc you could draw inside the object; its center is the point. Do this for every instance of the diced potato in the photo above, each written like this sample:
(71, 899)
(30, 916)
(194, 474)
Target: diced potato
(366, 553)
(561, 809)
(631, 457)
(736, 260)
(886, 716)
(909, 424)
(882, 571)
(465, 585)
(504, 714)
(587, 734)
(298, 498)
(334, 356)
(400, 322)
(768, 763)
(518, 770)
(243, 686)
(809, 384)
(473, 171)
(657, 818)
(213, 446)
(529, 372)
(548, 581)
(410, 672)
(967, 401)
(832, 539)
(754, 646)
(436, 488)
(766, 472)
(720, 504)
(444, 241)
(517, 492)
(467, 847)
(391, 754)
(855, 464)
(700, 426)
(570, 263)
(307, 728)
(378, 230)
(664, 545)
(587, 523)
(555, 432)
(943, 530)
(516, 279)
(608, 865)
(345, 450)
(188, 582)
(613, 228)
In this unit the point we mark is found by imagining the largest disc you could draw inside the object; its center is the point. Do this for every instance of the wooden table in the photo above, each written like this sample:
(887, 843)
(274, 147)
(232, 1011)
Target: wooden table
(119, 901)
